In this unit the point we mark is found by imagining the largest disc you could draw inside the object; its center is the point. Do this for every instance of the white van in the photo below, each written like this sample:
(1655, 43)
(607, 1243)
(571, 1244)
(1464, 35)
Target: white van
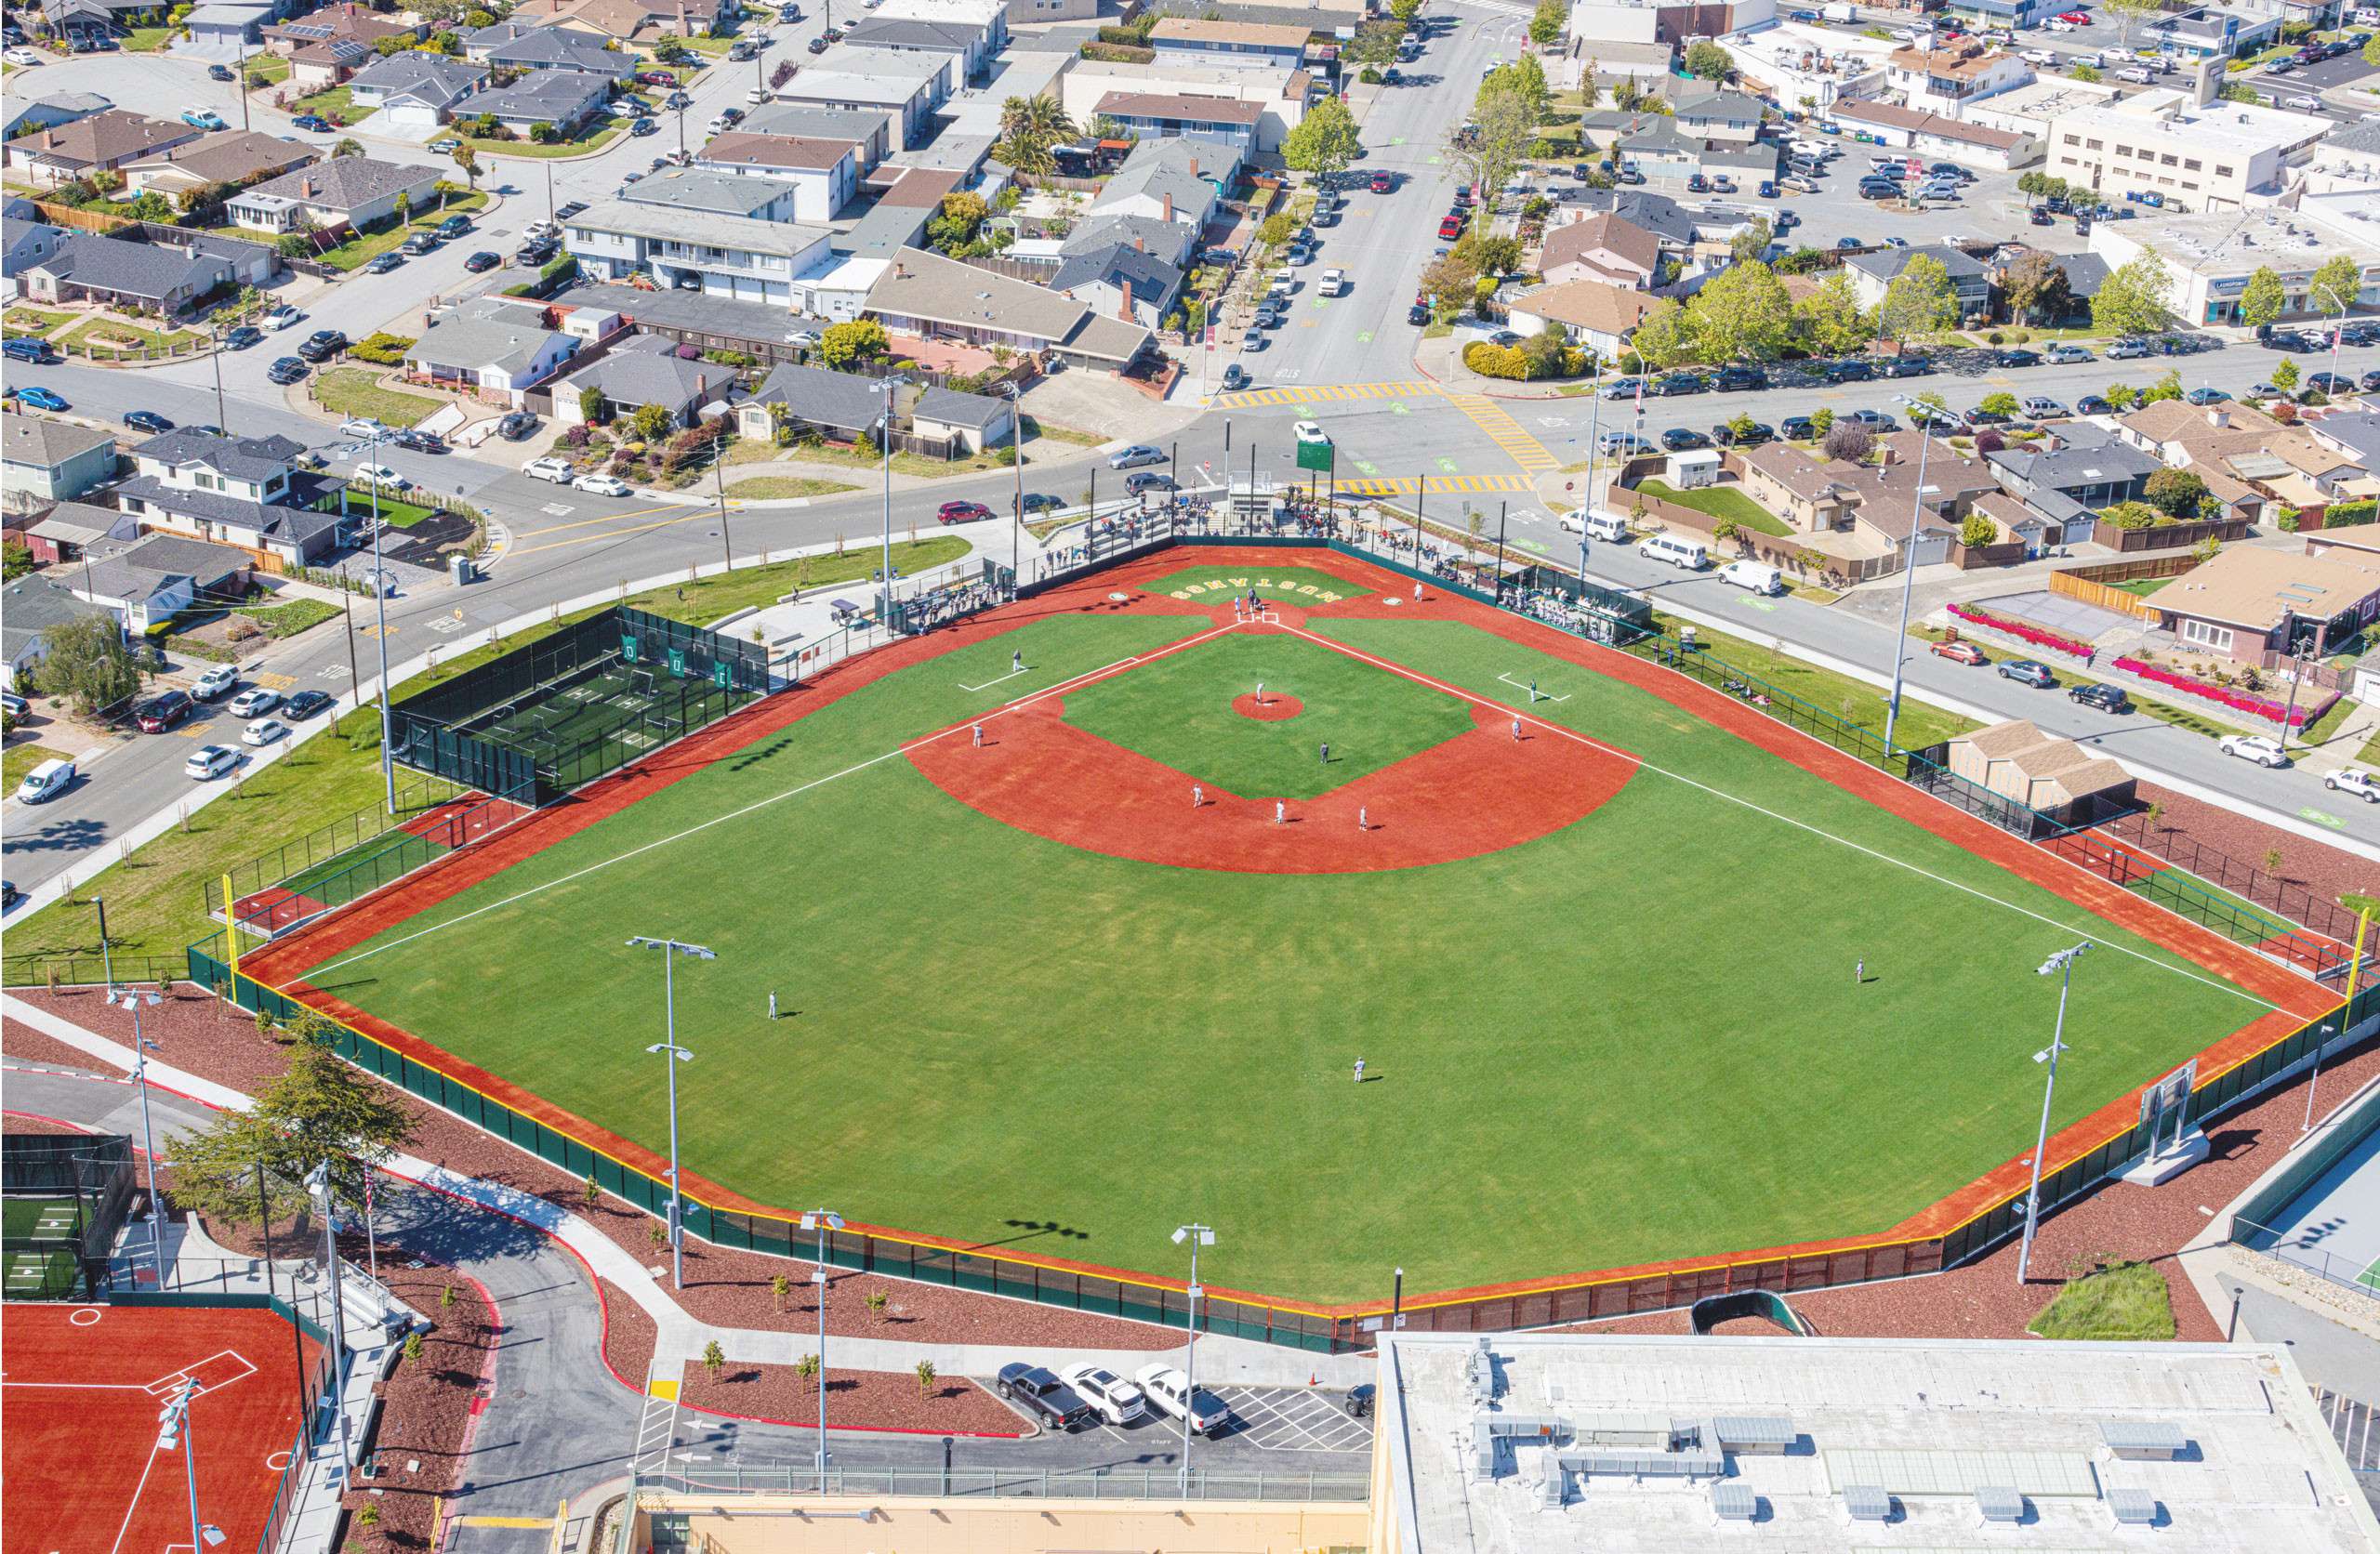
(46, 781)
(1758, 576)
(1685, 555)
(1609, 527)
(2135, 75)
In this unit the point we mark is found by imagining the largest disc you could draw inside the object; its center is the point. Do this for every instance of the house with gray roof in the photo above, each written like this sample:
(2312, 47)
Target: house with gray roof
(357, 191)
(1873, 275)
(838, 406)
(729, 255)
(71, 528)
(1121, 282)
(479, 41)
(967, 44)
(243, 492)
(868, 131)
(545, 48)
(905, 87)
(45, 460)
(116, 271)
(717, 193)
(26, 239)
(30, 609)
(2081, 468)
(644, 369)
(933, 297)
(26, 114)
(417, 87)
(973, 421)
(1174, 242)
(492, 344)
(1179, 179)
(564, 98)
(148, 582)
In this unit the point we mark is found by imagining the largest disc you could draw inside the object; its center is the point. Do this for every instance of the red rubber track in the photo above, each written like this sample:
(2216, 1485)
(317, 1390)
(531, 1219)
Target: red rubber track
(2297, 999)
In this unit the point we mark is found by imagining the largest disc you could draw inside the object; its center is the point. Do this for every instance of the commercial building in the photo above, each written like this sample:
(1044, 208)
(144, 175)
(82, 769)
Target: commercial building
(1592, 23)
(2210, 258)
(2034, 108)
(2214, 156)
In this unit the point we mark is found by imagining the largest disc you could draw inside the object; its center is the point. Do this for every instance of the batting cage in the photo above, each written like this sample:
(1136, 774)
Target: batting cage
(62, 1199)
(572, 705)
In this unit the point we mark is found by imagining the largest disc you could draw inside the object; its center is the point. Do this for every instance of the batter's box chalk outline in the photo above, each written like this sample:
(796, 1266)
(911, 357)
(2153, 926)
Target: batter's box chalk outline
(1534, 693)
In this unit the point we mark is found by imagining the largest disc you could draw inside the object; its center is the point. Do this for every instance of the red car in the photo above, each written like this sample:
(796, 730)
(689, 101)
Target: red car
(1450, 227)
(656, 78)
(1383, 183)
(1960, 652)
(2079, 18)
(964, 512)
(161, 712)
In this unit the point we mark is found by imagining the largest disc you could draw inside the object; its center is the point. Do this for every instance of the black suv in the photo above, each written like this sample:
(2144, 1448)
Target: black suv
(1753, 436)
(2107, 698)
(1734, 380)
(322, 345)
(1848, 371)
(1679, 383)
(1797, 428)
(1041, 1391)
(516, 426)
(287, 369)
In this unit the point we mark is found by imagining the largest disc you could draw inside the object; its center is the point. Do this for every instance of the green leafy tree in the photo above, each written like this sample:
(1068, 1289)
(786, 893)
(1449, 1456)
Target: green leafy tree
(467, 157)
(2263, 299)
(2284, 375)
(925, 1378)
(2337, 285)
(1325, 143)
(88, 662)
(348, 146)
(16, 558)
(1548, 22)
(1822, 421)
(2000, 404)
(2132, 300)
(1503, 126)
(650, 422)
(853, 340)
(1404, 11)
(404, 207)
(318, 1111)
(1830, 320)
(1708, 60)
(1978, 531)
(1751, 243)
(2371, 49)
(1277, 229)
(394, 43)
(2240, 91)
(2175, 493)
(1665, 337)
(1526, 76)
(1374, 45)
(148, 206)
(2036, 287)
(1742, 313)
(1499, 254)
(2166, 388)
(592, 407)
(714, 1359)
(953, 229)
(2085, 74)
(1921, 303)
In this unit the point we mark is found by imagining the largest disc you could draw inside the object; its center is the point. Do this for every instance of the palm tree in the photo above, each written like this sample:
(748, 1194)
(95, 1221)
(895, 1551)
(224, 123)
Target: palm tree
(1025, 154)
(1046, 118)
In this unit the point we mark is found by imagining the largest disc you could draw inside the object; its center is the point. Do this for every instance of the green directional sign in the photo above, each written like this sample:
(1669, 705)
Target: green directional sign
(1530, 545)
(1446, 466)
(1761, 603)
(1363, 337)
(1314, 456)
(1397, 407)
(2321, 817)
(1397, 139)
(1366, 466)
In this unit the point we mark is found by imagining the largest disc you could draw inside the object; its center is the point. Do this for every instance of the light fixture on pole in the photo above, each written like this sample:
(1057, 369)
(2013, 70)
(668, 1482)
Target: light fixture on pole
(1016, 442)
(173, 1424)
(318, 1187)
(132, 998)
(891, 395)
(2060, 966)
(821, 1220)
(1909, 572)
(1194, 1237)
(380, 605)
(670, 950)
(2363, 907)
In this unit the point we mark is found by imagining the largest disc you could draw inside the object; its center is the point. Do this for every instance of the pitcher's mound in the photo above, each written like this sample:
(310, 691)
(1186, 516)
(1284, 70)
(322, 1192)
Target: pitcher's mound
(1274, 709)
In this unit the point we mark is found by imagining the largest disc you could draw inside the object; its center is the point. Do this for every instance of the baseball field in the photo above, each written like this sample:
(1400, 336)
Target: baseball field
(1065, 955)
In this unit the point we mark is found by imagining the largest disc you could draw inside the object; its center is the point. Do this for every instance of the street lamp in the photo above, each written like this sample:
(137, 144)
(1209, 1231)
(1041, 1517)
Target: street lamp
(1194, 1237)
(318, 1187)
(2060, 966)
(130, 999)
(2303, 644)
(173, 1420)
(2338, 325)
(892, 392)
(670, 950)
(821, 1220)
(381, 607)
(1909, 572)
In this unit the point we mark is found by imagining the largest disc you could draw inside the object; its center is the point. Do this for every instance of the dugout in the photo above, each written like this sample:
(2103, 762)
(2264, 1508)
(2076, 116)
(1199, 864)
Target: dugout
(62, 1199)
(580, 702)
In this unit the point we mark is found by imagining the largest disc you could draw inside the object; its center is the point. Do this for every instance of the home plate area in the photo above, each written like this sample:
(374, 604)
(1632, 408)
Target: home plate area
(1296, 1420)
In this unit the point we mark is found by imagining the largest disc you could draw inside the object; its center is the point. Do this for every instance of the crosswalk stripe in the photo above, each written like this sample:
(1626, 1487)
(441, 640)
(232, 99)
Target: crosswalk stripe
(1451, 485)
(1324, 394)
(1505, 432)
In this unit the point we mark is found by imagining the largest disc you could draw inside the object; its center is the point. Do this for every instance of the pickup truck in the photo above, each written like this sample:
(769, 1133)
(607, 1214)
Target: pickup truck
(554, 470)
(1051, 1400)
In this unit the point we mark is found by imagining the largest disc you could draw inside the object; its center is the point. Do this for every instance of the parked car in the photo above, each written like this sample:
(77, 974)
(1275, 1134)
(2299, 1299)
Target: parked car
(255, 702)
(1797, 428)
(1678, 383)
(322, 345)
(549, 468)
(285, 370)
(382, 476)
(1731, 380)
(2064, 353)
(1166, 1387)
(2093, 404)
(202, 118)
(22, 349)
(2040, 407)
(1850, 370)
(313, 121)
(209, 762)
(2355, 782)
(2025, 671)
(1960, 652)
(1134, 457)
(1623, 387)
(1235, 376)
(1623, 444)
(1147, 481)
(2107, 698)
(362, 427)
(384, 263)
(484, 259)
(963, 512)
(516, 424)
(303, 704)
(161, 711)
(1727, 435)
(419, 244)
(1110, 1396)
(2126, 350)
(2017, 358)
(215, 682)
(2253, 747)
(604, 485)
(1679, 439)
(147, 420)
(42, 398)
(1910, 364)
(263, 732)
(444, 146)
(2205, 394)
(1874, 420)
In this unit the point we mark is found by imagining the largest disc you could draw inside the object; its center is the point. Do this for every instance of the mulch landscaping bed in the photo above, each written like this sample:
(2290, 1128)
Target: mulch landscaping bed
(428, 1404)
(17, 1122)
(728, 1289)
(856, 1399)
(2328, 872)
(2119, 1222)
(628, 1335)
(20, 1040)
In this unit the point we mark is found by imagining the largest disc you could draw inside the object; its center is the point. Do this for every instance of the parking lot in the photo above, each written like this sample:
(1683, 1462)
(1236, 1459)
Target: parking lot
(1296, 1420)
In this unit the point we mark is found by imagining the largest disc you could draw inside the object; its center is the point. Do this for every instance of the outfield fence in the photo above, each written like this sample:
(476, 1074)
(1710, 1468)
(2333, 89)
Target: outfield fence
(416, 794)
(77, 969)
(1628, 625)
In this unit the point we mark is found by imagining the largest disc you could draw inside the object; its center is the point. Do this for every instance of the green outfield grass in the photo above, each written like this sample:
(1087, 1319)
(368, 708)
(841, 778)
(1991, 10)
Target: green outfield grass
(1638, 1037)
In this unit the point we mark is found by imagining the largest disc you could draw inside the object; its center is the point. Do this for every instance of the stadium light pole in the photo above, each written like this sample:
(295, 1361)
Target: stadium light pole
(140, 1079)
(1909, 576)
(318, 1187)
(380, 604)
(1017, 441)
(670, 950)
(2061, 966)
(174, 1420)
(821, 1220)
(892, 392)
(1194, 1237)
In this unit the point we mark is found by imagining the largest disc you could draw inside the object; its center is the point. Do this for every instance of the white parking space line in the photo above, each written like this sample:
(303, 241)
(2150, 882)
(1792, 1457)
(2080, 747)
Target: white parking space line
(1282, 1419)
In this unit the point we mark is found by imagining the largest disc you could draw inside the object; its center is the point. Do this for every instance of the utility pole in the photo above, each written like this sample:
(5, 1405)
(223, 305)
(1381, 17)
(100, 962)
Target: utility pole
(719, 486)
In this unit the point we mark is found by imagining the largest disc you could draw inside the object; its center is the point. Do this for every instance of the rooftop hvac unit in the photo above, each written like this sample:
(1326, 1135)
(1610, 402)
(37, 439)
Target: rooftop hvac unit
(1734, 1502)
(1998, 1503)
(1753, 1434)
(2143, 1439)
(1867, 1503)
(2132, 1507)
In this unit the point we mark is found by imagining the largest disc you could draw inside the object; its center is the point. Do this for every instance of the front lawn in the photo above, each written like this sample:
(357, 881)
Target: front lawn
(33, 320)
(267, 70)
(356, 391)
(360, 248)
(395, 512)
(288, 620)
(107, 339)
(147, 40)
(770, 488)
(2127, 1303)
(334, 103)
(1719, 501)
(1037, 427)
(2141, 588)
(602, 134)
(20, 758)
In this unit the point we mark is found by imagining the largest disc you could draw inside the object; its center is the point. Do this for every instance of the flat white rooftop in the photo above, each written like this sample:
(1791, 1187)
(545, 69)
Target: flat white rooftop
(1654, 1445)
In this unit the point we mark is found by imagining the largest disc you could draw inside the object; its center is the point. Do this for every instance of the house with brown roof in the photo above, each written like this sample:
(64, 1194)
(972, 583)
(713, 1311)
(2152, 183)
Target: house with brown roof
(1234, 45)
(1878, 504)
(1601, 247)
(2255, 466)
(99, 143)
(2017, 761)
(1599, 315)
(2250, 601)
(1160, 115)
(824, 172)
(346, 21)
(232, 156)
(1930, 134)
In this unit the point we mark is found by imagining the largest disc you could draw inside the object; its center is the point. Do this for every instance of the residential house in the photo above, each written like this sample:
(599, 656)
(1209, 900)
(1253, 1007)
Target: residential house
(715, 193)
(1173, 180)
(245, 491)
(838, 406)
(42, 460)
(966, 45)
(641, 371)
(1873, 273)
(2249, 604)
(546, 48)
(1599, 315)
(1229, 44)
(227, 156)
(70, 529)
(867, 130)
(31, 608)
(990, 15)
(1121, 282)
(1878, 505)
(564, 98)
(2070, 477)
(1663, 151)
(821, 173)
(1174, 242)
(2017, 761)
(907, 88)
(95, 144)
(1890, 124)
(357, 191)
(725, 255)
(230, 27)
(1279, 93)
(1601, 247)
(343, 22)
(974, 422)
(2353, 433)
(899, 185)
(933, 297)
(27, 114)
(2254, 468)
(417, 91)
(1150, 115)
(147, 582)
(1719, 115)
(120, 272)
(25, 242)
(479, 41)
(494, 345)
(1946, 80)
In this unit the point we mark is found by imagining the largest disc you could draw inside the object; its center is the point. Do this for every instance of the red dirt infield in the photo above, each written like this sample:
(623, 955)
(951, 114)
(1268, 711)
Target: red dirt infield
(1043, 775)
(81, 1397)
(1279, 707)
(2298, 999)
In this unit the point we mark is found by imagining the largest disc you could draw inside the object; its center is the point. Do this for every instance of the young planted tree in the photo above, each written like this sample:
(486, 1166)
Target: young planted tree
(779, 1288)
(925, 1378)
(714, 1359)
(876, 1301)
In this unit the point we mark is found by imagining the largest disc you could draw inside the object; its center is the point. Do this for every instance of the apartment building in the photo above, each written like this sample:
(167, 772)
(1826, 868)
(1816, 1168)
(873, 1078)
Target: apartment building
(691, 250)
(1945, 80)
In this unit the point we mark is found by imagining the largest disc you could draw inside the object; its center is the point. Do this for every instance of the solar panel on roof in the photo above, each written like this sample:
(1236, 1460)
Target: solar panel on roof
(1734, 1502)
(1867, 1503)
(1998, 1503)
(2132, 1507)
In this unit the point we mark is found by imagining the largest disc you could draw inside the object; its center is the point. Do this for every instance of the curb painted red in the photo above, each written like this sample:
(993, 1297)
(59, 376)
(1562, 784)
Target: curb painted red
(53, 1122)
